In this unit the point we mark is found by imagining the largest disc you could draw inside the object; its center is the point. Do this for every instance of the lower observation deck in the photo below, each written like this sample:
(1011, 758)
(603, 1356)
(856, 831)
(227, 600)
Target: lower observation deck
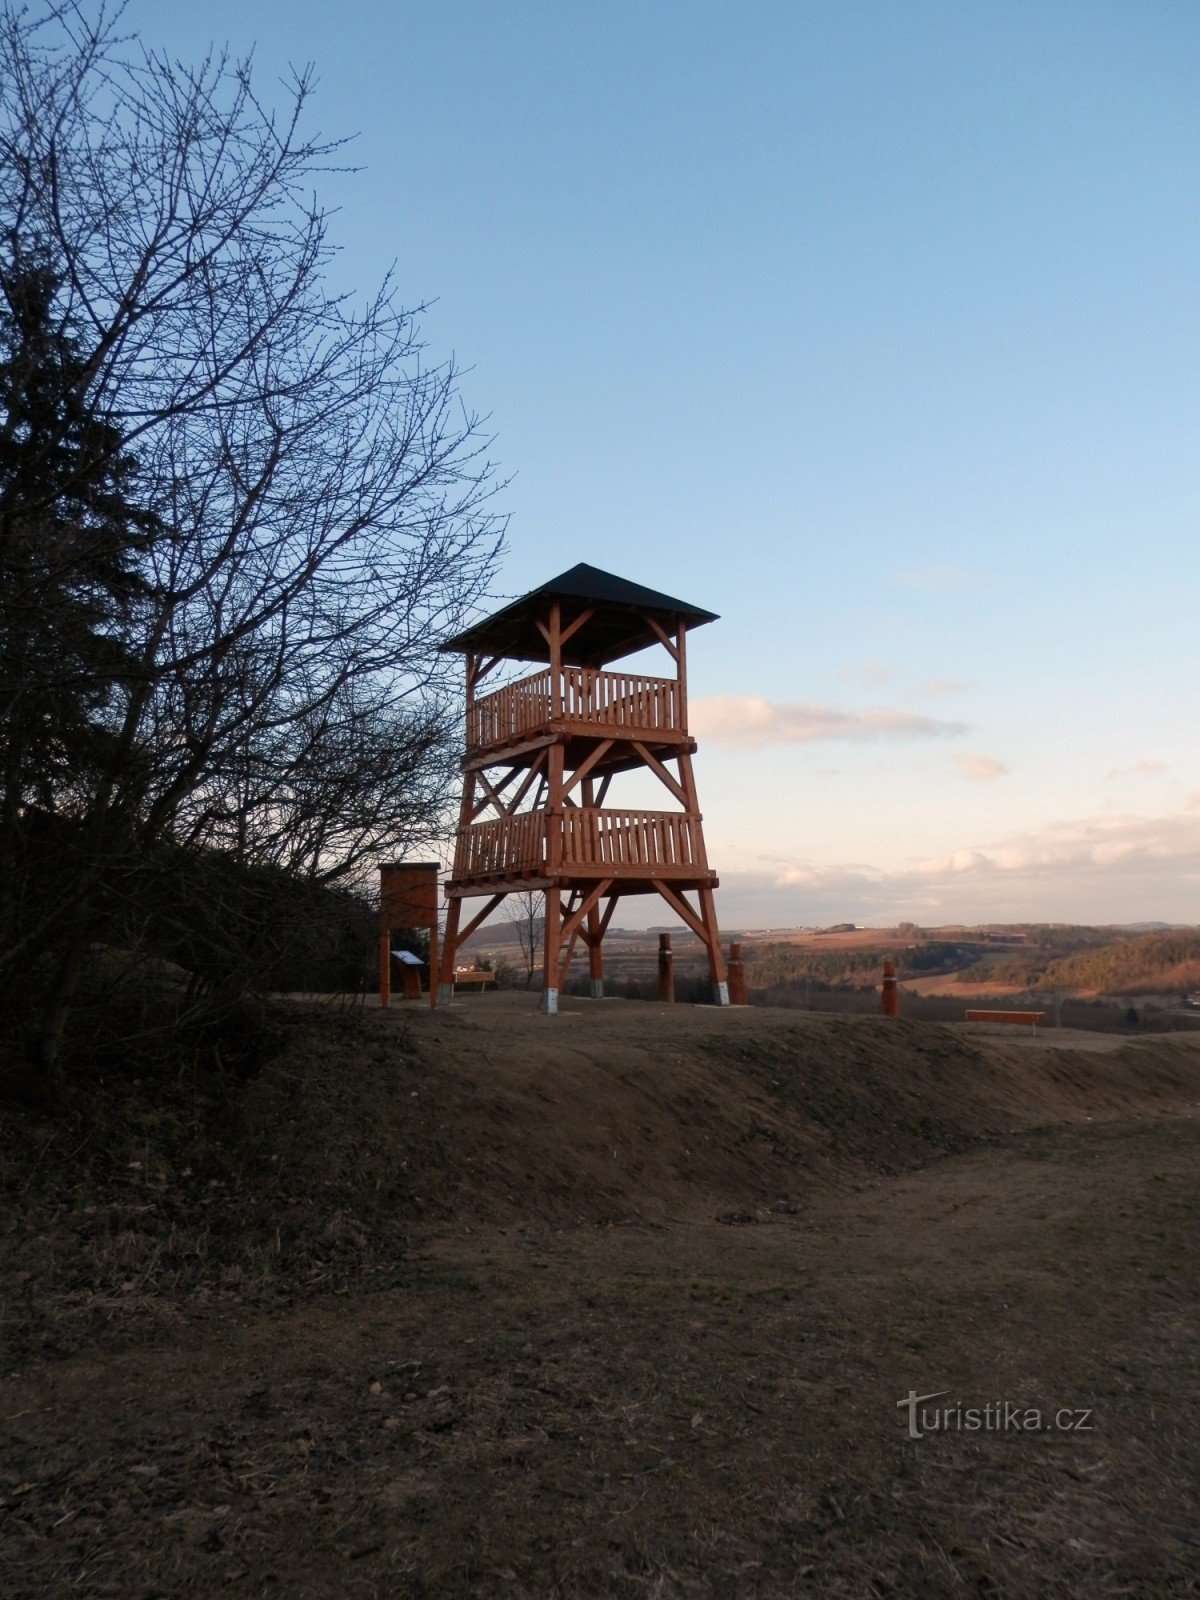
(582, 845)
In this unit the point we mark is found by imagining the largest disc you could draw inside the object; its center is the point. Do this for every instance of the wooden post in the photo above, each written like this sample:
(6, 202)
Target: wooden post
(687, 779)
(595, 958)
(737, 976)
(716, 961)
(595, 930)
(549, 1001)
(666, 968)
(556, 673)
(445, 989)
(891, 990)
(441, 974)
(681, 674)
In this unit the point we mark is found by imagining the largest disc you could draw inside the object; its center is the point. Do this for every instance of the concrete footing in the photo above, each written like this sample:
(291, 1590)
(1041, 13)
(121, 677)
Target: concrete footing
(549, 1003)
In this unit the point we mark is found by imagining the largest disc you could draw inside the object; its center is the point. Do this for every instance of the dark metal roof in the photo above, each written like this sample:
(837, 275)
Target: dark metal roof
(617, 628)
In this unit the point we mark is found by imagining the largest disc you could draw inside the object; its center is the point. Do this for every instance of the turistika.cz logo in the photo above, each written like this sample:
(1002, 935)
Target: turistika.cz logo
(998, 1416)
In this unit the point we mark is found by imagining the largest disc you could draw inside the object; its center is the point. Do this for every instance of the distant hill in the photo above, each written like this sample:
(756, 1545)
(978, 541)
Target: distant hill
(1154, 963)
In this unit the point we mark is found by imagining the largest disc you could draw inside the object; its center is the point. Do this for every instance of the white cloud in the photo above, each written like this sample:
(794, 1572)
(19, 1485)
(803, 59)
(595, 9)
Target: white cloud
(1139, 769)
(1093, 869)
(751, 720)
(980, 768)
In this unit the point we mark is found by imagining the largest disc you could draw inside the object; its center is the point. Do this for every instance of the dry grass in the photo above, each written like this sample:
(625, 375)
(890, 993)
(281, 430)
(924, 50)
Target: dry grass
(583, 1379)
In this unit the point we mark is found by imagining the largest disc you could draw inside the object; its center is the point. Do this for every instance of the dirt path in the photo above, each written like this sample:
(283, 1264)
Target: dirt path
(692, 1407)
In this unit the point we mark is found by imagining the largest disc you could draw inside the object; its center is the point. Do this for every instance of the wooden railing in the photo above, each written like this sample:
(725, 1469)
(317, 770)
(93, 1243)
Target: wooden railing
(617, 700)
(623, 842)
(502, 845)
(657, 839)
(494, 718)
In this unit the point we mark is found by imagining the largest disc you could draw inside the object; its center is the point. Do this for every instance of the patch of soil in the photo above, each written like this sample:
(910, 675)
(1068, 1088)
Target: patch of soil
(587, 1376)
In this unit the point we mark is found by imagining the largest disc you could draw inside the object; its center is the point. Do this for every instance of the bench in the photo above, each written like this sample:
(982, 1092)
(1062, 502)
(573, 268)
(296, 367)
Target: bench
(473, 976)
(1028, 1019)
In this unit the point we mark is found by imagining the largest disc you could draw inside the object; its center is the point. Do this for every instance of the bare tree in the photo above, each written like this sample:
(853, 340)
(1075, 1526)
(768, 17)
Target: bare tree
(319, 495)
(526, 911)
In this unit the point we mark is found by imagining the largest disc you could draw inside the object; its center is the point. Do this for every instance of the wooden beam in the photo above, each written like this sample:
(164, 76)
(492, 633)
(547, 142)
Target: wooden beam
(597, 892)
(662, 634)
(584, 616)
(492, 793)
(479, 917)
(692, 805)
(526, 784)
(608, 911)
(550, 938)
(681, 659)
(554, 640)
(478, 669)
(573, 923)
(581, 772)
(716, 957)
(659, 771)
(441, 990)
(564, 961)
(683, 911)
(509, 753)
(554, 811)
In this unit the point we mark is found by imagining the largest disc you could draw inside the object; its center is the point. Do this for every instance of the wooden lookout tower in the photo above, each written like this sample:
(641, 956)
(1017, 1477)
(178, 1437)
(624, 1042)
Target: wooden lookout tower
(542, 753)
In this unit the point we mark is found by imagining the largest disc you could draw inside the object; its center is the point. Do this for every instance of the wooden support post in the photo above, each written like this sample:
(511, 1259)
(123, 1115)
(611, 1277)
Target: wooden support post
(385, 968)
(574, 918)
(688, 779)
(445, 988)
(554, 639)
(716, 961)
(666, 968)
(549, 1001)
(595, 958)
(891, 990)
(681, 673)
(554, 826)
(737, 976)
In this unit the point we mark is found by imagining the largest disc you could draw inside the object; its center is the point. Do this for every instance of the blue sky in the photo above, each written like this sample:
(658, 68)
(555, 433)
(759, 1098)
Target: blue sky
(874, 328)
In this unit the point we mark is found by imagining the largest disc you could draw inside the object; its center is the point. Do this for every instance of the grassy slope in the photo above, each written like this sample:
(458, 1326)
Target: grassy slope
(485, 1305)
(147, 1199)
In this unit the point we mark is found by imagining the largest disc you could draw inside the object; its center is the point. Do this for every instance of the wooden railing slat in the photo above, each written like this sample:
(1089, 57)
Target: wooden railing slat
(619, 699)
(591, 836)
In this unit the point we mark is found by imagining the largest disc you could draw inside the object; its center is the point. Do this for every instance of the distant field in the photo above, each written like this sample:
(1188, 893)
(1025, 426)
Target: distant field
(941, 969)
